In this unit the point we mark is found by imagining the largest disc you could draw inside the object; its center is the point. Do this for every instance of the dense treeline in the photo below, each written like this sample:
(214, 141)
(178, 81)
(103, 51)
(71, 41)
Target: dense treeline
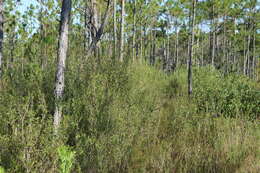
(129, 86)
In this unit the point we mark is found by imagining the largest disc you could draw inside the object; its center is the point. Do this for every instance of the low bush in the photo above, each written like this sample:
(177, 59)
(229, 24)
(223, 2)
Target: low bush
(230, 96)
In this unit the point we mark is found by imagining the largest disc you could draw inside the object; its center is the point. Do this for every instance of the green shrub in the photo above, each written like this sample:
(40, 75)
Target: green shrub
(66, 157)
(230, 96)
(2, 170)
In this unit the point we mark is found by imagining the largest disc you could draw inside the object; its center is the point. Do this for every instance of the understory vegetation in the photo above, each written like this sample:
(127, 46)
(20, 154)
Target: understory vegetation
(129, 118)
(129, 86)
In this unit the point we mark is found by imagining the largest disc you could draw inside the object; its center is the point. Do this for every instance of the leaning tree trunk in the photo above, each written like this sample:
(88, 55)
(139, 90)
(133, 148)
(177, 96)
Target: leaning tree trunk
(62, 55)
(121, 51)
(191, 48)
(99, 32)
(1, 33)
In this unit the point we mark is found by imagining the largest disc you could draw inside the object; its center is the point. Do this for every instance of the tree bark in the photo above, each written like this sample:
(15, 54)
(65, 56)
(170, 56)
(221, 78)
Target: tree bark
(100, 31)
(142, 52)
(191, 47)
(115, 27)
(1, 34)
(86, 41)
(248, 54)
(95, 24)
(225, 60)
(168, 56)
(121, 51)
(164, 57)
(254, 56)
(176, 45)
(153, 44)
(213, 35)
(202, 54)
(245, 57)
(134, 31)
(42, 35)
(62, 55)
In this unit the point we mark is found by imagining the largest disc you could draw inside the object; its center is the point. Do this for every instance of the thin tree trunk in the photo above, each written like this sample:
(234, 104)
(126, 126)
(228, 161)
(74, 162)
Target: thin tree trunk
(154, 47)
(114, 27)
(141, 46)
(121, 51)
(12, 46)
(151, 47)
(164, 57)
(189, 40)
(196, 53)
(43, 35)
(62, 55)
(254, 57)
(202, 54)
(94, 15)
(86, 41)
(95, 23)
(176, 46)
(10, 63)
(1, 34)
(168, 57)
(213, 36)
(168, 46)
(245, 57)
(191, 47)
(150, 42)
(232, 46)
(134, 31)
(99, 32)
(248, 54)
(225, 45)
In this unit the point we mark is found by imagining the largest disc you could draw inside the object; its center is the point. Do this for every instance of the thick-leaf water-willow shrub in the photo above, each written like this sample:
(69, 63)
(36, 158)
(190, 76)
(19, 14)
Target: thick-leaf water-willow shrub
(66, 158)
(230, 96)
(128, 118)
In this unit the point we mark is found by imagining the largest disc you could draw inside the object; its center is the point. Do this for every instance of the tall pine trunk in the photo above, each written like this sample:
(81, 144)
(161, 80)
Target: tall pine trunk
(213, 35)
(114, 28)
(248, 55)
(86, 39)
(245, 57)
(62, 55)
(121, 51)
(1, 33)
(176, 45)
(254, 56)
(95, 23)
(225, 60)
(134, 32)
(191, 47)
(141, 55)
